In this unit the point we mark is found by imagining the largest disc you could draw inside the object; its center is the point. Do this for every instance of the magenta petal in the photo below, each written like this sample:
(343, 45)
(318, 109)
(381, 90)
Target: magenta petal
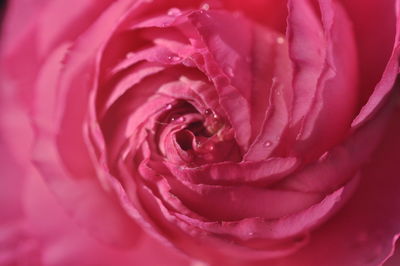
(307, 51)
(369, 17)
(131, 79)
(62, 243)
(382, 89)
(88, 199)
(65, 165)
(261, 172)
(287, 226)
(336, 98)
(270, 13)
(232, 85)
(391, 71)
(363, 233)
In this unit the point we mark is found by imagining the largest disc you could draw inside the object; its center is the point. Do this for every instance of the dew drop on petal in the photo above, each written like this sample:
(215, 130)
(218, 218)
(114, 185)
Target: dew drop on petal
(205, 6)
(267, 144)
(280, 40)
(168, 106)
(174, 58)
(129, 55)
(209, 147)
(205, 147)
(207, 112)
(323, 156)
(229, 71)
(180, 119)
(174, 11)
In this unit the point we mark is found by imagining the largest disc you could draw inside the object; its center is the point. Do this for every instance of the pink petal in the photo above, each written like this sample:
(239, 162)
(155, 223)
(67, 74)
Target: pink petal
(336, 99)
(369, 17)
(65, 165)
(62, 242)
(230, 83)
(307, 51)
(270, 13)
(225, 173)
(364, 231)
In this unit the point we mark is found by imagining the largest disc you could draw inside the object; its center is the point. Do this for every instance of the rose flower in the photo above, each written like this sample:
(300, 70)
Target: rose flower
(220, 133)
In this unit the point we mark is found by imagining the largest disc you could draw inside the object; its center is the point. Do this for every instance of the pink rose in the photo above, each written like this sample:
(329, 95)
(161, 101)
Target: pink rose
(184, 133)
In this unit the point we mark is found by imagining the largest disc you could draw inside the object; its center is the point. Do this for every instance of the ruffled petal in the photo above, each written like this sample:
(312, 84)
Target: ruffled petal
(56, 167)
(61, 242)
(335, 100)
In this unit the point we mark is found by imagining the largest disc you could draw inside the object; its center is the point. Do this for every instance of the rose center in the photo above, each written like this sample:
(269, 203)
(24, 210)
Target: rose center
(202, 135)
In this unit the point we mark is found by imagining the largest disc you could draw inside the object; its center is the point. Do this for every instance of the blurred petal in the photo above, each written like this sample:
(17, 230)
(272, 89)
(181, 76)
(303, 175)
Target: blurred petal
(64, 243)
(364, 231)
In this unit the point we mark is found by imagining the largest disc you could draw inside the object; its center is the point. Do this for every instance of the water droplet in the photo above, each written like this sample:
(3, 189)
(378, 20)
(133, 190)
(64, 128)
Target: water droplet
(174, 58)
(205, 147)
(208, 112)
(323, 156)
(280, 40)
(129, 55)
(180, 119)
(267, 144)
(174, 11)
(229, 71)
(168, 106)
(205, 6)
(209, 147)
(251, 234)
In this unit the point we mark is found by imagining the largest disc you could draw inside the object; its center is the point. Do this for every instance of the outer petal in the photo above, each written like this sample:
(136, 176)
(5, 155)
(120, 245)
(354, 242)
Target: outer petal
(20, 29)
(369, 18)
(68, 171)
(336, 97)
(363, 232)
(307, 51)
(62, 242)
(256, 10)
